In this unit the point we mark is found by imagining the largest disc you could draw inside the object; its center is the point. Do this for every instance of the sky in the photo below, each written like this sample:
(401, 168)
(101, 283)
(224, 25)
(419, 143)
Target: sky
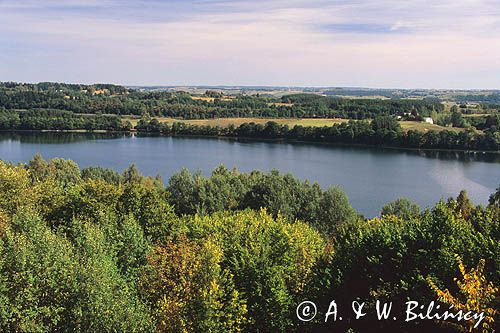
(448, 44)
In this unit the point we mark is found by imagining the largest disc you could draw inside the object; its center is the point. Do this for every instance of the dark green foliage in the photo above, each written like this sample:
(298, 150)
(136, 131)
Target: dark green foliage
(283, 194)
(109, 99)
(386, 123)
(334, 210)
(319, 106)
(495, 198)
(390, 258)
(49, 119)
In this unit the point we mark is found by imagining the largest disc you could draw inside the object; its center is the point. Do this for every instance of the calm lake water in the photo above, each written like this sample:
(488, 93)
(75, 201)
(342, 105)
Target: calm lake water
(370, 176)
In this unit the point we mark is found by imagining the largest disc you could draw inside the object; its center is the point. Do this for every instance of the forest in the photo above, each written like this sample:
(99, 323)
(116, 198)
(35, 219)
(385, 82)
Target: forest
(50, 119)
(110, 99)
(94, 250)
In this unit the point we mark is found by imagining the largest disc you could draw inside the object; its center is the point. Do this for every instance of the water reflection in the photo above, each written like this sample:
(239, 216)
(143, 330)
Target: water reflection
(449, 155)
(58, 137)
(65, 137)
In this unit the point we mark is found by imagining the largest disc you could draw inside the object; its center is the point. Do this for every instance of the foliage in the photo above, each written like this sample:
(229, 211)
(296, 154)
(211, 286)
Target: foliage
(383, 130)
(49, 119)
(93, 250)
(116, 100)
(402, 207)
(189, 290)
(280, 194)
(478, 294)
(390, 258)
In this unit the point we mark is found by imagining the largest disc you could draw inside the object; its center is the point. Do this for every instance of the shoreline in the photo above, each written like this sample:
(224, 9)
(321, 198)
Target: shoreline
(363, 145)
(277, 140)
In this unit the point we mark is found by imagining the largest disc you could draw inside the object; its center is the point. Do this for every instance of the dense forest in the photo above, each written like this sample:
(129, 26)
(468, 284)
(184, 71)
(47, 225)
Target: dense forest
(94, 250)
(43, 119)
(383, 130)
(490, 98)
(110, 99)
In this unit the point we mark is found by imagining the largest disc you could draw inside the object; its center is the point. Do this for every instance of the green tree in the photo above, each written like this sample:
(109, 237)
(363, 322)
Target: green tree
(38, 277)
(189, 290)
(402, 207)
(334, 211)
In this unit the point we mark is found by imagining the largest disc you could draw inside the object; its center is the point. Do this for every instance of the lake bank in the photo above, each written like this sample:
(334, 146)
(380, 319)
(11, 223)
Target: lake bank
(271, 140)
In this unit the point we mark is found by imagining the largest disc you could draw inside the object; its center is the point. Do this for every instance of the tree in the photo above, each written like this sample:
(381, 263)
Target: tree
(106, 301)
(495, 198)
(64, 171)
(464, 206)
(457, 120)
(334, 210)
(38, 277)
(39, 169)
(189, 290)
(477, 296)
(385, 123)
(402, 207)
(104, 252)
(15, 188)
(270, 259)
(390, 259)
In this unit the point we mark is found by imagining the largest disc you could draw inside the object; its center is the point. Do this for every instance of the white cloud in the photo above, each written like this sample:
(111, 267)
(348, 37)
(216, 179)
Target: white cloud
(444, 44)
(38, 4)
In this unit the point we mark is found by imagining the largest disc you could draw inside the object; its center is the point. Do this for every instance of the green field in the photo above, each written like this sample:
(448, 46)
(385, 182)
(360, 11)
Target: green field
(424, 127)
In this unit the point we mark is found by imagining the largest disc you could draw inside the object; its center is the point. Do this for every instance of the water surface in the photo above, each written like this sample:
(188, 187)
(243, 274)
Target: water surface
(370, 176)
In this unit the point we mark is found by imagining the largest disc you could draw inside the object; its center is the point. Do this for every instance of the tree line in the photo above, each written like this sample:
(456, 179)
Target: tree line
(383, 130)
(46, 119)
(94, 250)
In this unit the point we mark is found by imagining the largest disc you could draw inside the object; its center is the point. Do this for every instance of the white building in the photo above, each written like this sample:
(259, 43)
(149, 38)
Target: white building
(428, 120)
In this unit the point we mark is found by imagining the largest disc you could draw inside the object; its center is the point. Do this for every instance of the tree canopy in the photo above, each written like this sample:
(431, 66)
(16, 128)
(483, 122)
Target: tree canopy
(94, 250)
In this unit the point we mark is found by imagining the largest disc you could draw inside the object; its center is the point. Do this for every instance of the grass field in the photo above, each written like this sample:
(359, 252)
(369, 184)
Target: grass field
(424, 127)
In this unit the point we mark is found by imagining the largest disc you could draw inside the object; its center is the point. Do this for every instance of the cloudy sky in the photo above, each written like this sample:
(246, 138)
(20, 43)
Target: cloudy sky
(383, 43)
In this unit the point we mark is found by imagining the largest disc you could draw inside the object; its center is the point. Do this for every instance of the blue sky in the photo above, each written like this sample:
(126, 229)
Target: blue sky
(385, 43)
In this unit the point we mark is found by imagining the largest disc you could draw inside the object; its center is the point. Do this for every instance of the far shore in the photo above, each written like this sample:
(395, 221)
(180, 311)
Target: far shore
(278, 140)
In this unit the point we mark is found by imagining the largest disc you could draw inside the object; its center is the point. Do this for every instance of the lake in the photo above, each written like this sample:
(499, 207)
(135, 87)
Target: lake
(370, 176)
